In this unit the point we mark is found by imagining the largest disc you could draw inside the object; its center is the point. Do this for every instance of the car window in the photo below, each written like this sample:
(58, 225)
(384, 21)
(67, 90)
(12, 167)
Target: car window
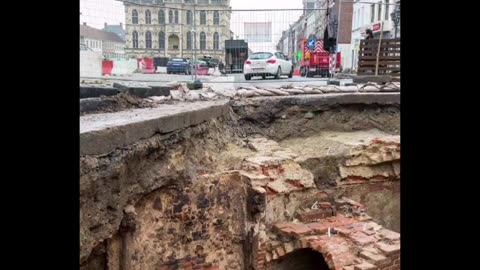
(279, 55)
(258, 56)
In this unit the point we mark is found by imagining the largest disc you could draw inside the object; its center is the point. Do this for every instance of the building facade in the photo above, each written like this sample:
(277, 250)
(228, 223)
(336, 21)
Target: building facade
(110, 45)
(374, 15)
(165, 28)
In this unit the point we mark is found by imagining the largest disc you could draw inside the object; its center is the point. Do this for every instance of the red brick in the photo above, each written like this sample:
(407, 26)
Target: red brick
(318, 245)
(289, 247)
(365, 266)
(318, 228)
(345, 258)
(361, 238)
(304, 243)
(280, 251)
(325, 205)
(300, 229)
(388, 249)
(283, 225)
(374, 258)
(343, 231)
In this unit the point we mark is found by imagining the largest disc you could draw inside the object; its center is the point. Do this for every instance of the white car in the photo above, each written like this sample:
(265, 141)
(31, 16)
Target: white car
(267, 64)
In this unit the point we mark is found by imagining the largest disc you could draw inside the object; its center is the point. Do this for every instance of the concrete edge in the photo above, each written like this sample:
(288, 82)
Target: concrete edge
(315, 101)
(102, 142)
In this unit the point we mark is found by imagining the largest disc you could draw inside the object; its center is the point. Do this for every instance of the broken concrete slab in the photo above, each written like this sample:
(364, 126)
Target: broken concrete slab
(100, 134)
(97, 90)
(143, 90)
(90, 105)
(372, 78)
(163, 90)
(319, 102)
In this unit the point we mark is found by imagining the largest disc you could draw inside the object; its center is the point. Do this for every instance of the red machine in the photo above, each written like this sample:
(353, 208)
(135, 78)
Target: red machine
(317, 62)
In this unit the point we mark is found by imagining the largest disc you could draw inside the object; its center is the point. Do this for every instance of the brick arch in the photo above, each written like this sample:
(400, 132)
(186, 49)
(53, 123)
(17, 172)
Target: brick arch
(352, 244)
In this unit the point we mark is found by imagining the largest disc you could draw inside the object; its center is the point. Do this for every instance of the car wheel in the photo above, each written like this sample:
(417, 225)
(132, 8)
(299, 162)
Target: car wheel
(290, 75)
(247, 77)
(279, 72)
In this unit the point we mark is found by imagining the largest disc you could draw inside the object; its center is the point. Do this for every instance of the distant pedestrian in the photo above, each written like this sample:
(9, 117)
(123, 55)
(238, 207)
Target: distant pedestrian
(221, 67)
(368, 34)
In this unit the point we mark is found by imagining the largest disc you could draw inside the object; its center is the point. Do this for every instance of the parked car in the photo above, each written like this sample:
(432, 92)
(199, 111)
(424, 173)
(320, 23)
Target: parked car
(201, 66)
(267, 64)
(211, 62)
(179, 65)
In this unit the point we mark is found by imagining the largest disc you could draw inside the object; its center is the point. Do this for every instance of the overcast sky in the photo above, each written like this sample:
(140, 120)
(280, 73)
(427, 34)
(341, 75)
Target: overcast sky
(96, 12)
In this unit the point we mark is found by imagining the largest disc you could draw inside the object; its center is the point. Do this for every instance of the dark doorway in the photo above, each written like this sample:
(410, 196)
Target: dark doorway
(302, 259)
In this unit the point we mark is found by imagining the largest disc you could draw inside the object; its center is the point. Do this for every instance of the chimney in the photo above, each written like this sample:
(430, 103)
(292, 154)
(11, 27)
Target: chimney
(84, 23)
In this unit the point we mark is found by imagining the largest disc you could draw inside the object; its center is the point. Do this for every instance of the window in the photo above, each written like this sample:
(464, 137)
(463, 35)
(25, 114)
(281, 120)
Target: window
(148, 17)
(216, 41)
(216, 18)
(176, 16)
(203, 17)
(148, 39)
(189, 17)
(379, 15)
(189, 40)
(372, 13)
(386, 10)
(135, 39)
(161, 40)
(170, 16)
(134, 16)
(161, 17)
(216, 2)
(260, 56)
(203, 41)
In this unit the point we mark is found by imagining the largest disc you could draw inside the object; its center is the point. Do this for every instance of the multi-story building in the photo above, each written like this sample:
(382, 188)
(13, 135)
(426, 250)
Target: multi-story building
(109, 44)
(165, 28)
(374, 15)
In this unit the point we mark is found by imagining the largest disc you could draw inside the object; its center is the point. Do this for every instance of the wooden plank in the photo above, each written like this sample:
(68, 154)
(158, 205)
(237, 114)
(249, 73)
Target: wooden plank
(382, 45)
(361, 63)
(362, 57)
(380, 68)
(380, 74)
(381, 51)
(369, 41)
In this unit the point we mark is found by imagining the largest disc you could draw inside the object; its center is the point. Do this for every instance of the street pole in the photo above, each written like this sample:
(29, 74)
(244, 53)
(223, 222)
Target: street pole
(195, 40)
(339, 20)
(338, 33)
